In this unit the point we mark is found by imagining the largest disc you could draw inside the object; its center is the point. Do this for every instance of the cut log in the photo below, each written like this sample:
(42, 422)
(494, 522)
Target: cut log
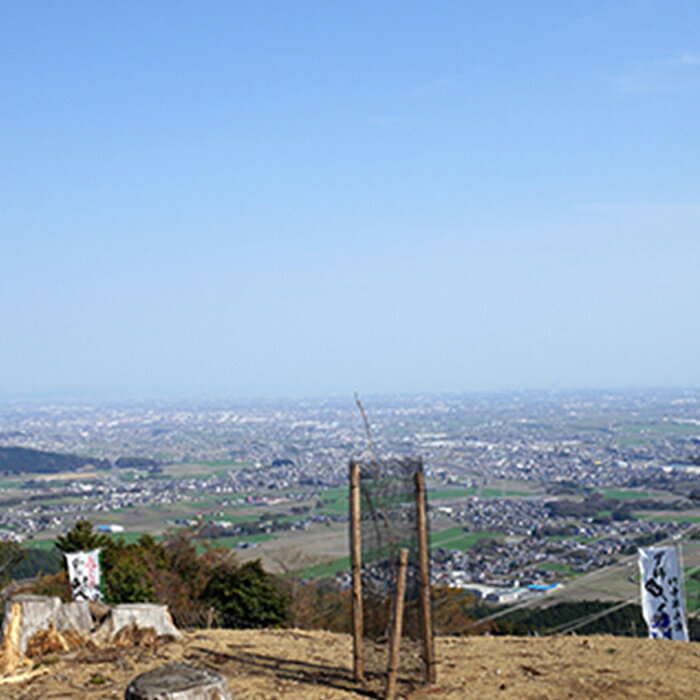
(11, 657)
(75, 617)
(35, 613)
(139, 616)
(177, 681)
(36, 625)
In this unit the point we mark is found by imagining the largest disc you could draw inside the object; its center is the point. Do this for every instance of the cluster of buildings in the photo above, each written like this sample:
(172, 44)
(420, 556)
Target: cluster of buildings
(292, 452)
(510, 562)
(587, 439)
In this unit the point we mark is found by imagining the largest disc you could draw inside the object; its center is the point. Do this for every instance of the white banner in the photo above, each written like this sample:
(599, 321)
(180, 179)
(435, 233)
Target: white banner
(84, 575)
(662, 596)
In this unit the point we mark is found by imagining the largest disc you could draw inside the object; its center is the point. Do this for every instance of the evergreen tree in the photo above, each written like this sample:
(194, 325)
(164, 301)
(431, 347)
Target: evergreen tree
(11, 554)
(82, 538)
(128, 581)
(246, 596)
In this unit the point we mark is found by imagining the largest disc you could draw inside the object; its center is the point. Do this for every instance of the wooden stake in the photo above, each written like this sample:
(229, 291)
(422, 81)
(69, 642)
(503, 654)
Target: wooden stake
(356, 565)
(393, 668)
(424, 566)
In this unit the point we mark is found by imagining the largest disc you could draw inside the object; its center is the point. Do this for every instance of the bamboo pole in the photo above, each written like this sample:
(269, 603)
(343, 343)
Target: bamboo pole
(356, 565)
(424, 567)
(393, 668)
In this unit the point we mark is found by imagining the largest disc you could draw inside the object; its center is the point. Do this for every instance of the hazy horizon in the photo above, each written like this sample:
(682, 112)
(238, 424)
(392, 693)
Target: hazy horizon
(368, 398)
(284, 199)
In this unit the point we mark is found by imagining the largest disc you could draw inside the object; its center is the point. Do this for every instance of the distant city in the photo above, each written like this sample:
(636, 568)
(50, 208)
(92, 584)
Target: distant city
(525, 489)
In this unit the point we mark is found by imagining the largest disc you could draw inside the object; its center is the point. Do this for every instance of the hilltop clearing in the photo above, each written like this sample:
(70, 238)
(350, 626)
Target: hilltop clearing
(292, 664)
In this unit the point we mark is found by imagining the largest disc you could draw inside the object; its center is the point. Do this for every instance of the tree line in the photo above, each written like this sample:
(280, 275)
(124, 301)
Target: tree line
(209, 587)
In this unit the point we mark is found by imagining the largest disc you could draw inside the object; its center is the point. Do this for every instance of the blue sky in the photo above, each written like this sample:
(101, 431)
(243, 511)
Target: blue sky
(282, 198)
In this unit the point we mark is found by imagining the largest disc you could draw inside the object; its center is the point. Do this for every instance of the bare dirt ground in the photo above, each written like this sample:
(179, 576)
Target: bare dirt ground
(297, 665)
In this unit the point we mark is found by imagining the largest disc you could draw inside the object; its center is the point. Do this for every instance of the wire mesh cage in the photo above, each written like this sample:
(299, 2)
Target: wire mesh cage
(390, 520)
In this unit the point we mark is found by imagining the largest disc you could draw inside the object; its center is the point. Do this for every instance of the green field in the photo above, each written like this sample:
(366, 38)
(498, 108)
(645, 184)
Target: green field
(236, 519)
(501, 493)
(225, 463)
(449, 494)
(10, 484)
(49, 544)
(326, 570)
(45, 545)
(205, 501)
(128, 537)
(233, 541)
(335, 501)
(691, 589)
(453, 538)
(624, 495)
(554, 566)
(458, 538)
(565, 571)
(634, 435)
(63, 500)
(204, 468)
(676, 518)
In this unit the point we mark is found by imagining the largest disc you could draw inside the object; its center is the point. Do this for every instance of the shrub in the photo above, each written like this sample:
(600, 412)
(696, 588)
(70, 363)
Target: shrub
(245, 596)
(173, 573)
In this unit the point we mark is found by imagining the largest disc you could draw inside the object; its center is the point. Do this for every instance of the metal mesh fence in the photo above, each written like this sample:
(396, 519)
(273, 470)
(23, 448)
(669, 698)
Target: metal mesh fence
(389, 523)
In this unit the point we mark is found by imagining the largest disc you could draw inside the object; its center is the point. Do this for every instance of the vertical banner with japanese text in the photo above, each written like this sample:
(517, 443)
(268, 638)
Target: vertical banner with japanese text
(84, 575)
(662, 597)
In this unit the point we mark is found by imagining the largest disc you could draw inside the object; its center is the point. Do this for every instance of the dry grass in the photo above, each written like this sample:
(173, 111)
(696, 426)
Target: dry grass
(297, 665)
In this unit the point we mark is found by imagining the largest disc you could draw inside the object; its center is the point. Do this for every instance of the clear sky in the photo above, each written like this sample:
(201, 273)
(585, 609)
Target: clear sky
(303, 197)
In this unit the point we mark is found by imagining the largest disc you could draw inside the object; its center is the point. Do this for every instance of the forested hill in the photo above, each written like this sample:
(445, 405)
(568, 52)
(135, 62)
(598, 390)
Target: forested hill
(23, 459)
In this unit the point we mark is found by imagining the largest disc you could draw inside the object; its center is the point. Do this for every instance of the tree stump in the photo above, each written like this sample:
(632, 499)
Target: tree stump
(75, 617)
(31, 614)
(177, 681)
(11, 657)
(139, 615)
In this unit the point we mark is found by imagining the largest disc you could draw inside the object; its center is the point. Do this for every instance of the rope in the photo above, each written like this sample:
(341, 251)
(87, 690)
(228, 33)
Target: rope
(580, 582)
(582, 622)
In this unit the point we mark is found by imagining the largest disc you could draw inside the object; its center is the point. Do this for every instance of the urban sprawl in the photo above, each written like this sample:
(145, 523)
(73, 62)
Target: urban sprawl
(526, 491)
